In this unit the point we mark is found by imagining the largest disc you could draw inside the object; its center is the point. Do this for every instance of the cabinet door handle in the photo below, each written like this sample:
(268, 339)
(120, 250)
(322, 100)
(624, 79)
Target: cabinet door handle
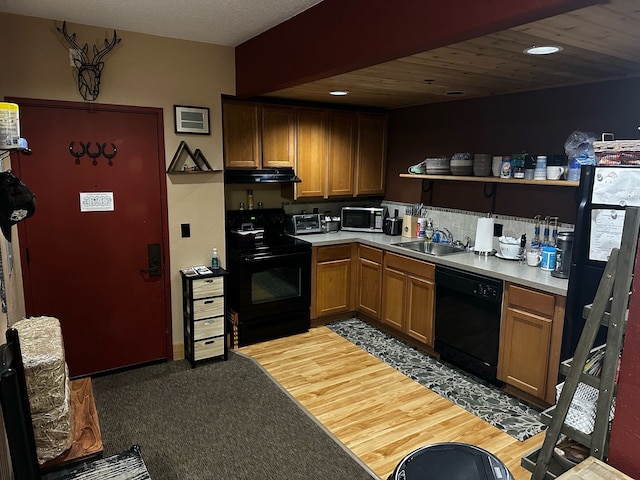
(209, 342)
(208, 322)
(206, 302)
(209, 281)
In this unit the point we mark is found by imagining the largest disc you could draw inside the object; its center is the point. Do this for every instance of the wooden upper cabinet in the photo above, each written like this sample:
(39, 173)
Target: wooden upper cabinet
(278, 136)
(371, 154)
(342, 153)
(241, 135)
(312, 152)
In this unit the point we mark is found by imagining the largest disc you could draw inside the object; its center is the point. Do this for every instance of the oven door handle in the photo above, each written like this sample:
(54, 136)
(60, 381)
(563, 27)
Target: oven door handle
(256, 258)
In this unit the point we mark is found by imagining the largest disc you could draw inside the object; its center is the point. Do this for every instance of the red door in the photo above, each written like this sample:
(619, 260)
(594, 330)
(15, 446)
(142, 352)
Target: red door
(85, 250)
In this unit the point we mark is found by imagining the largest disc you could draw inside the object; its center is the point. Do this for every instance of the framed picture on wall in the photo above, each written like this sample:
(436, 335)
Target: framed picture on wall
(191, 119)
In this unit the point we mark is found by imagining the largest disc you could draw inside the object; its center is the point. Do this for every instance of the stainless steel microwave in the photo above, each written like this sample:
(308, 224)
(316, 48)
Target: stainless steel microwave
(363, 219)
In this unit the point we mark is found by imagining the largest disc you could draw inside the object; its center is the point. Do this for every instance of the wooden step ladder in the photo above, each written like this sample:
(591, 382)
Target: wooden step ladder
(609, 308)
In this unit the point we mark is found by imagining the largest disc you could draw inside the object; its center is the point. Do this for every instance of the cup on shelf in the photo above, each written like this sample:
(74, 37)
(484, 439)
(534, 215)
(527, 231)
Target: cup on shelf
(540, 172)
(554, 172)
(496, 165)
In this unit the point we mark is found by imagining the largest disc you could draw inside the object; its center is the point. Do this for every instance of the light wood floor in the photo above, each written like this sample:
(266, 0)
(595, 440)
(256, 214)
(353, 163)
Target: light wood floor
(378, 413)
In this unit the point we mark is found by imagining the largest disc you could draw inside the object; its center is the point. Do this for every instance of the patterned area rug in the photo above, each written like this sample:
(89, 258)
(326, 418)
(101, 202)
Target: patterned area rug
(474, 395)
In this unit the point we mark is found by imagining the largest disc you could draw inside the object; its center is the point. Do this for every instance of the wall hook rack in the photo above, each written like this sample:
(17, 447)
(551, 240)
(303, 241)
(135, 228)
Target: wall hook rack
(86, 150)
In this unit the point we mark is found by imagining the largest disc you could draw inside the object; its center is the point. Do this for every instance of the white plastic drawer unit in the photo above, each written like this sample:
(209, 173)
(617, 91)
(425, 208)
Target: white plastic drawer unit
(209, 327)
(207, 287)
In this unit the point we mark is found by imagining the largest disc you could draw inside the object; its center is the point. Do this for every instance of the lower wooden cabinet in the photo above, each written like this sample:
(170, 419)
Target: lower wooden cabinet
(332, 277)
(369, 281)
(530, 341)
(408, 296)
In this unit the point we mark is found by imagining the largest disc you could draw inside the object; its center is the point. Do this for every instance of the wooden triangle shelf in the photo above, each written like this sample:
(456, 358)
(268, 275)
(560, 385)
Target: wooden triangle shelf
(186, 161)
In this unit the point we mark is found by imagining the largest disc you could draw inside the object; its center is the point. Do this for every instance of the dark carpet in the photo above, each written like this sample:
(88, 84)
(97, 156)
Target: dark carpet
(219, 420)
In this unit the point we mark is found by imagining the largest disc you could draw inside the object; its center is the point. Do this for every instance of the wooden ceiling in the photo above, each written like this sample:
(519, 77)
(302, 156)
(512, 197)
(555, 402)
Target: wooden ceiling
(599, 43)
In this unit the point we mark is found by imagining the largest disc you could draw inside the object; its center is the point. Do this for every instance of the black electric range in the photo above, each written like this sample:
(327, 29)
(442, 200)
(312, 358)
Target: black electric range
(269, 291)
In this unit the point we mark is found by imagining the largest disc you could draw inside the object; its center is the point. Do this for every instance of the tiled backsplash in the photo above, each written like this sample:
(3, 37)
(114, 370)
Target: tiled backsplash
(463, 223)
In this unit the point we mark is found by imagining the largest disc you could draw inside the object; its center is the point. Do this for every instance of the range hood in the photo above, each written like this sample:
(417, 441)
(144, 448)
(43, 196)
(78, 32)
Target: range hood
(265, 175)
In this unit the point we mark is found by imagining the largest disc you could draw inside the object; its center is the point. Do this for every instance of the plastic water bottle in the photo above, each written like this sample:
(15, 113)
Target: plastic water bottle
(215, 262)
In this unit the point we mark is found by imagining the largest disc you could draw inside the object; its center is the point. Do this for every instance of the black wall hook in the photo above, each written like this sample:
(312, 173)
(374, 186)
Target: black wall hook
(79, 153)
(109, 156)
(92, 154)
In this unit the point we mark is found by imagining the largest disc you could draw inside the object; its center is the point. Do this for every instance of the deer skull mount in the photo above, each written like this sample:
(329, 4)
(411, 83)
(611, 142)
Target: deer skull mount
(89, 70)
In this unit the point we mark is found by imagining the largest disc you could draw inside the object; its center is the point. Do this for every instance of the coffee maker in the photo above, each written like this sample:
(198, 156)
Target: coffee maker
(564, 244)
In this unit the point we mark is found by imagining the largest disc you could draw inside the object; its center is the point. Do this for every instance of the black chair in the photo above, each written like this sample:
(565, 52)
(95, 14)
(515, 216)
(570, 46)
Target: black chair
(23, 458)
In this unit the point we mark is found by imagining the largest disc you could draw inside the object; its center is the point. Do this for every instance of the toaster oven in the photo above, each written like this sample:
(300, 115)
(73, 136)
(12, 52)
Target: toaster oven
(304, 223)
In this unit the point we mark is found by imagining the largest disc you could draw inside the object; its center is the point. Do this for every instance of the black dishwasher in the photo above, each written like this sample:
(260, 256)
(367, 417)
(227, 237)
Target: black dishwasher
(467, 321)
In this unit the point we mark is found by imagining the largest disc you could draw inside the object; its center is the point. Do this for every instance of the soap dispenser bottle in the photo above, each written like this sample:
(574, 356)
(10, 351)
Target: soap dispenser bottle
(215, 262)
(428, 231)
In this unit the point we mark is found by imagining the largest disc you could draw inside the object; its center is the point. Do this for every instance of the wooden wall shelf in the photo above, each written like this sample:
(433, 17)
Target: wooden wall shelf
(184, 156)
(513, 181)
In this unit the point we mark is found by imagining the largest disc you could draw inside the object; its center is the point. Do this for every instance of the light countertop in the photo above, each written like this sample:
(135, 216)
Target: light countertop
(491, 266)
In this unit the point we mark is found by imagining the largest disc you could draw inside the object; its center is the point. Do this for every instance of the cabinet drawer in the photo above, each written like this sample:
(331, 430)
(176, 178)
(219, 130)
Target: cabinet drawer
(207, 287)
(532, 300)
(210, 347)
(410, 265)
(373, 254)
(335, 252)
(208, 307)
(210, 327)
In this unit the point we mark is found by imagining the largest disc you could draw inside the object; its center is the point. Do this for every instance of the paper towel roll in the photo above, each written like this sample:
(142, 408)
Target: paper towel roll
(484, 235)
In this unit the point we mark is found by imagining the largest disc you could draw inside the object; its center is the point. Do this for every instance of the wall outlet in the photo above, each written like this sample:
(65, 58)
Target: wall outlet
(497, 229)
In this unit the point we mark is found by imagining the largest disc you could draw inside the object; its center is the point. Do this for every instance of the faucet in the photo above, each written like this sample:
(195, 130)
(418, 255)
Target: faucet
(446, 233)
(464, 246)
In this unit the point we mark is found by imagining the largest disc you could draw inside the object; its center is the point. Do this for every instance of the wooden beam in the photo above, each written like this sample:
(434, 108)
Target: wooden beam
(335, 36)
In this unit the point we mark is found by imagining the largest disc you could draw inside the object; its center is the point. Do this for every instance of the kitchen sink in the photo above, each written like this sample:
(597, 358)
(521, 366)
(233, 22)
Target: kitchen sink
(430, 248)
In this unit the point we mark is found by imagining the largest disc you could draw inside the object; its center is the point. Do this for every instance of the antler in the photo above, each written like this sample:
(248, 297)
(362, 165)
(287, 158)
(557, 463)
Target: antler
(108, 46)
(71, 40)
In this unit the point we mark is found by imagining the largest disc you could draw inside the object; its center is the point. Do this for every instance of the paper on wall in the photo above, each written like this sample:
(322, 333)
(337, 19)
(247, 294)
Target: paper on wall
(606, 233)
(616, 186)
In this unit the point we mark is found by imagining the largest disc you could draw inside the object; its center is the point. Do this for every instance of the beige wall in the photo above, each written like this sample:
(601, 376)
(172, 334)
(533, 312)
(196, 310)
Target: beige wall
(141, 70)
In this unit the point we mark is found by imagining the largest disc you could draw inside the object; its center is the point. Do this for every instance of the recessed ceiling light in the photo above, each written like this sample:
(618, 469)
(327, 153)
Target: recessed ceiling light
(455, 92)
(545, 50)
(338, 93)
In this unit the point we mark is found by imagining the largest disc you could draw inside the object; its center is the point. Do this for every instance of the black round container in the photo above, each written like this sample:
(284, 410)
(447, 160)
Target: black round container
(450, 461)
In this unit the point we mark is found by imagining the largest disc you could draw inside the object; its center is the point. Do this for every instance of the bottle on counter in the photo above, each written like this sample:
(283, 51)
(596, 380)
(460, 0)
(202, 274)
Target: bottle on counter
(215, 262)
(250, 199)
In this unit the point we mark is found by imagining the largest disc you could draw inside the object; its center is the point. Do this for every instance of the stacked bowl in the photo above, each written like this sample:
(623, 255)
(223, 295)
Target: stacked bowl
(438, 166)
(482, 164)
(461, 164)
